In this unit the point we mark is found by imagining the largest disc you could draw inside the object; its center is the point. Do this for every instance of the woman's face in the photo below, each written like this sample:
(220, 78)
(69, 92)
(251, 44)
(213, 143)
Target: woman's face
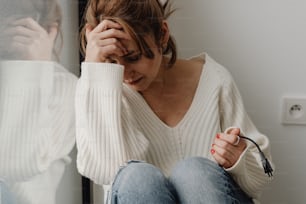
(140, 71)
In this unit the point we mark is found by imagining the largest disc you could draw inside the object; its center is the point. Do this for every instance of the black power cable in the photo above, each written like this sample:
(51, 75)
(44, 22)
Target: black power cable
(265, 162)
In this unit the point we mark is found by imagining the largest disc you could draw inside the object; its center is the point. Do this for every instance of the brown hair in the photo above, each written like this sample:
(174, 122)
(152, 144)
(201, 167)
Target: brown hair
(139, 18)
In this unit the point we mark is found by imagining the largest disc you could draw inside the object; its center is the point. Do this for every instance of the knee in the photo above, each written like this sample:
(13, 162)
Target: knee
(197, 163)
(199, 179)
(141, 183)
(139, 175)
(197, 167)
(142, 170)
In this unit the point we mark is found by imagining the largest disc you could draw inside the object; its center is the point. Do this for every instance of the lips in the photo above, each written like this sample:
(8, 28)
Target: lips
(133, 81)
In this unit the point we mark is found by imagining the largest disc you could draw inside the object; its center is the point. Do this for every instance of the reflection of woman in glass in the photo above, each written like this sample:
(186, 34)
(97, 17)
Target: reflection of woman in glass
(36, 101)
(29, 29)
(152, 125)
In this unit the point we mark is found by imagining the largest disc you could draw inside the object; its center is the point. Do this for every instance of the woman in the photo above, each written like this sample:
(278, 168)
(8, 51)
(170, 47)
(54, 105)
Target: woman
(169, 132)
(36, 102)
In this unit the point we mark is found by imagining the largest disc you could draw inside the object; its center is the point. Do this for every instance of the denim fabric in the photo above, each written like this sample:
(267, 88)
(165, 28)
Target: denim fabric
(199, 180)
(193, 181)
(5, 195)
(140, 182)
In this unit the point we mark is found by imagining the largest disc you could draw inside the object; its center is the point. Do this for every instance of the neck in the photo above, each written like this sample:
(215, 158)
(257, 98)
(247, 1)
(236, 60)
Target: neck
(162, 82)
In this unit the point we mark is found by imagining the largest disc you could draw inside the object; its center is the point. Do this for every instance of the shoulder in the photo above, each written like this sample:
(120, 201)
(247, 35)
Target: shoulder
(217, 68)
(217, 71)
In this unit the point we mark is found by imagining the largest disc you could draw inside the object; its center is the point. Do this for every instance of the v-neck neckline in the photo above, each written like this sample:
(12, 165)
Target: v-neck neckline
(193, 105)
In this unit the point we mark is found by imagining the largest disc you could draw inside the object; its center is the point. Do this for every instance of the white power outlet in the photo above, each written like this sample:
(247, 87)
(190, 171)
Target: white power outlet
(294, 111)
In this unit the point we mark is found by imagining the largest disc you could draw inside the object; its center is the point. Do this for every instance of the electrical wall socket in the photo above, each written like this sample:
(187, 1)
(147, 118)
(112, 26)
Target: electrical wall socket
(294, 111)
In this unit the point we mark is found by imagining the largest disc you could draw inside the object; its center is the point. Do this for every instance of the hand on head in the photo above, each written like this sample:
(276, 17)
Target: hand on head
(105, 41)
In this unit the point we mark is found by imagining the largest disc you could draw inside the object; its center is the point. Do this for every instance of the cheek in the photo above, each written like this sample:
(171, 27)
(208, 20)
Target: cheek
(139, 68)
(147, 68)
(151, 70)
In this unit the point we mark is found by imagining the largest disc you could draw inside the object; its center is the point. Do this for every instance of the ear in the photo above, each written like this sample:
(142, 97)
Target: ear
(165, 33)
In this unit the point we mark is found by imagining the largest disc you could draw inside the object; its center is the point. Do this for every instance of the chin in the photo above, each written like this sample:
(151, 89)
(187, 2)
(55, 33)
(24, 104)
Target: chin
(140, 86)
(137, 87)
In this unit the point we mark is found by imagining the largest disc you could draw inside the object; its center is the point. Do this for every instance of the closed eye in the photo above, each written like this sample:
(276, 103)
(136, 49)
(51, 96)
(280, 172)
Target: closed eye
(132, 57)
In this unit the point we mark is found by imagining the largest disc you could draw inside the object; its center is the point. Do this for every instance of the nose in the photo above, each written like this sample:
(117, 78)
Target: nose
(128, 72)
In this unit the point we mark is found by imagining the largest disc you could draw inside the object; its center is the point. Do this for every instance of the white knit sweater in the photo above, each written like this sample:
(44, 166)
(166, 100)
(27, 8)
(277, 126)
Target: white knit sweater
(37, 129)
(115, 124)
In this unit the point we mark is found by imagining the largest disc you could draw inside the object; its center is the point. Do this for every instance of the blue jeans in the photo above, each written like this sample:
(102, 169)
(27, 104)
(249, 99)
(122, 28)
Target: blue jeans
(5, 195)
(193, 181)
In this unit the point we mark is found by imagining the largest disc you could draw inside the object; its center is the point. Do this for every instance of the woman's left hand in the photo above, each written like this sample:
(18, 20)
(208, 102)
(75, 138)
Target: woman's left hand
(227, 147)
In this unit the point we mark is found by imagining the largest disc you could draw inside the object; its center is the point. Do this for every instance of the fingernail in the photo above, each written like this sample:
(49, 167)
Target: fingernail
(218, 136)
(212, 151)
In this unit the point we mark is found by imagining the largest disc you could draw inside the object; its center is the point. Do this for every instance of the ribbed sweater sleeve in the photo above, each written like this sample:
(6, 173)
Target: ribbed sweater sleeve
(248, 171)
(36, 117)
(107, 134)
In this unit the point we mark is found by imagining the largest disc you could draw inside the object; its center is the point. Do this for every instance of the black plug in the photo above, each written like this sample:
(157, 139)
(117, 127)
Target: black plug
(265, 162)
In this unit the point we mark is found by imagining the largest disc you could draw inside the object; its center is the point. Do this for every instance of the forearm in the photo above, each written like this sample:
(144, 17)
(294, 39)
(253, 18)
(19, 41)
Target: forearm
(104, 129)
(248, 171)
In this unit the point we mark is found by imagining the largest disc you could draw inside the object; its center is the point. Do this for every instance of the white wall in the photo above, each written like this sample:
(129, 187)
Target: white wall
(70, 190)
(263, 44)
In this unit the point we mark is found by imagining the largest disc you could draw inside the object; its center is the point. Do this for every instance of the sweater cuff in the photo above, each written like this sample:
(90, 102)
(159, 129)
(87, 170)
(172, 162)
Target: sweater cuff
(18, 73)
(239, 167)
(107, 75)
